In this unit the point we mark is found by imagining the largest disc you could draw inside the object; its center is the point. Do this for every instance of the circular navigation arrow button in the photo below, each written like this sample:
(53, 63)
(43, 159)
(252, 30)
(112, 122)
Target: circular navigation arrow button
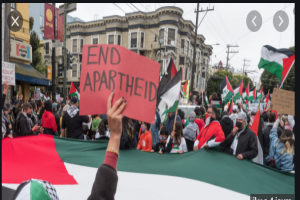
(280, 21)
(254, 21)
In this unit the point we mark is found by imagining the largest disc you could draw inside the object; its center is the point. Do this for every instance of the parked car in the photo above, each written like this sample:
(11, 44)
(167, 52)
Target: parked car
(187, 109)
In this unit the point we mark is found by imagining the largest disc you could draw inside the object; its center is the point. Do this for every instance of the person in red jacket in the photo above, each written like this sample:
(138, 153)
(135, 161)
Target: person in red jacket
(212, 128)
(145, 143)
(48, 119)
(198, 120)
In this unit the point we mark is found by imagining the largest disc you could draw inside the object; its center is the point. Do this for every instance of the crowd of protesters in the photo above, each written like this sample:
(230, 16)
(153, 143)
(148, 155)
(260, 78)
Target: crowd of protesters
(204, 127)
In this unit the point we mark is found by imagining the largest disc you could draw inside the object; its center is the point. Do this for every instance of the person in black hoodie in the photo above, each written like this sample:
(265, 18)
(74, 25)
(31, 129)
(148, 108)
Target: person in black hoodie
(266, 134)
(242, 142)
(24, 125)
(226, 123)
(56, 116)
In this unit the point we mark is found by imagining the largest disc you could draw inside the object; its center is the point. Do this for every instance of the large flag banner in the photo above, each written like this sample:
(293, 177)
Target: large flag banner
(74, 91)
(107, 68)
(257, 129)
(170, 93)
(277, 61)
(167, 76)
(252, 94)
(71, 165)
(238, 91)
(226, 90)
(60, 26)
(260, 94)
(49, 21)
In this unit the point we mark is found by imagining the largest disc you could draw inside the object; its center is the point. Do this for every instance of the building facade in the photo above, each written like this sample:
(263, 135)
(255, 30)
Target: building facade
(156, 35)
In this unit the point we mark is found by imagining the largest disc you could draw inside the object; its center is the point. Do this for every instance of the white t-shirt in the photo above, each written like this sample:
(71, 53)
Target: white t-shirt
(177, 148)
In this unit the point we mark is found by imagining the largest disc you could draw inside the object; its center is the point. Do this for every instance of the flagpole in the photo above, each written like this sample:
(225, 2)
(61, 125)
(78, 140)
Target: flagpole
(177, 106)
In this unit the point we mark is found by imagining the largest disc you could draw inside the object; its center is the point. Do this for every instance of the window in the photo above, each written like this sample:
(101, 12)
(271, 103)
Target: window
(161, 66)
(13, 5)
(111, 39)
(182, 46)
(171, 36)
(188, 47)
(133, 40)
(119, 40)
(161, 36)
(74, 70)
(142, 39)
(80, 58)
(47, 46)
(81, 45)
(79, 70)
(95, 40)
(41, 20)
(181, 60)
(74, 45)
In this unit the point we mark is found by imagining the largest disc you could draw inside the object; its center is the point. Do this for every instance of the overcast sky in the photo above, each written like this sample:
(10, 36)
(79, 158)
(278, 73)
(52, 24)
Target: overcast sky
(225, 25)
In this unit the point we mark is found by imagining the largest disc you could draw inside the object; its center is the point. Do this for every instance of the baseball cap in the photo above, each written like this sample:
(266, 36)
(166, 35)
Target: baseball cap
(74, 100)
(235, 108)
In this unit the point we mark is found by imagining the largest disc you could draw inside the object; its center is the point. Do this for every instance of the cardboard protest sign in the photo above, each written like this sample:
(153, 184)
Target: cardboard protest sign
(8, 73)
(253, 107)
(112, 67)
(285, 100)
(37, 94)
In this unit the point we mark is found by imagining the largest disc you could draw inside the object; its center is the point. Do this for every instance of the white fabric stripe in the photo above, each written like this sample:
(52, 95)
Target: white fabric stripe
(213, 143)
(260, 156)
(130, 187)
(272, 56)
(25, 193)
(162, 108)
(236, 90)
(172, 95)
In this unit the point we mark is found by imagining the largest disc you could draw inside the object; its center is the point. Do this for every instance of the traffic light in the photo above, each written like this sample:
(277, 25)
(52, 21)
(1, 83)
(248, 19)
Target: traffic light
(60, 70)
(69, 63)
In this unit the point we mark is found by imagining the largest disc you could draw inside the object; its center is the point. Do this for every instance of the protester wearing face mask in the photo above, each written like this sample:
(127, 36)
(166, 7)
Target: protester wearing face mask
(145, 143)
(6, 122)
(242, 141)
(212, 128)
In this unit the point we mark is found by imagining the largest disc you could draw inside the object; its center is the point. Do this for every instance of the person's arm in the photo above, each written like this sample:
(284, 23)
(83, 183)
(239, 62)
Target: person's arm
(105, 185)
(22, 126)
(158, 120)
(63, 126)
(291, 121)
(253, 152)
(219, 137)
(169, 145)
(53, 124)
(4, 93)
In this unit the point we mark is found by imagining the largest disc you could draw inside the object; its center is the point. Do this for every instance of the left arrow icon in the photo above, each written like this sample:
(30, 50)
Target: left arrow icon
(253, 21)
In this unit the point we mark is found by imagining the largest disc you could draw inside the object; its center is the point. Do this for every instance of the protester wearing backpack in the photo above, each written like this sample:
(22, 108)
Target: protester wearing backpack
(191, 131)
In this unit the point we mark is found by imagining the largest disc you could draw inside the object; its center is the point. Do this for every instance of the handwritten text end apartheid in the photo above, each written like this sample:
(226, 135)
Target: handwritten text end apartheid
(107, 68)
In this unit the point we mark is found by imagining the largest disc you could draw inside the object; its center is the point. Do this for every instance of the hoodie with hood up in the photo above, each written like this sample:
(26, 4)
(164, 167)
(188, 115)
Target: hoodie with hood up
(48, 119)
(227, 125)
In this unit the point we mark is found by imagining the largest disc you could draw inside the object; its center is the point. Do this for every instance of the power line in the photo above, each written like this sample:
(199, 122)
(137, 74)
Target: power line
(119, 7)
(282, 26)
(222, 22)
(129, 6)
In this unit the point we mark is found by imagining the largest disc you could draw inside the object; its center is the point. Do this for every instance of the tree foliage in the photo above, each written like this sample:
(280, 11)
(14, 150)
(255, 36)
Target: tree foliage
(213, 84)
(269, 81)
(31, 22)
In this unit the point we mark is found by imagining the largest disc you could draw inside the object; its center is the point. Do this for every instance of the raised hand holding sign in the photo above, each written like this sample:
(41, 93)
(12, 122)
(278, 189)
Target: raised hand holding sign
(107, 68)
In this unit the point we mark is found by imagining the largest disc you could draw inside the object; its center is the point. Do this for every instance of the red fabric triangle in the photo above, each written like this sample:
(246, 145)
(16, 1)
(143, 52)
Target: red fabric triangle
(73, 88)
(173, 69)
(247, 90)
(185, 87)
(231, 105)
(241, 89)
(267, 99)
(287, 65)
(228, 85)
(207, 116)
(261, 90)
(28, 157)
(255, 123)
(254, 93)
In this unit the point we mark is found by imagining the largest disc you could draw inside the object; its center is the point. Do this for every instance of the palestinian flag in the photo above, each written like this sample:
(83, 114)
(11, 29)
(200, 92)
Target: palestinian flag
(252, 94)
(257, 129)
(167, 76)
(267, 98)
(43, 97)
(260, 94)
(206, 99)
(71, 165)
(170, 94)
(226, 90)
(74, 91)
(218, 104)
(184, 87)
(277, 61)
(246, 92)
(238, 91)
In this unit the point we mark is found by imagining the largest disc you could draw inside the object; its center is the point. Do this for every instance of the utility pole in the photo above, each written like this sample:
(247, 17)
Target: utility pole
(53, 58)
(228, 46)
(6, 44)
(65, 53)
(194, 56)
(245, 65)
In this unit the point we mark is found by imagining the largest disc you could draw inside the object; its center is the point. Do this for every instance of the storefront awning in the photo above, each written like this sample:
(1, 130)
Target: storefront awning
(29, 74)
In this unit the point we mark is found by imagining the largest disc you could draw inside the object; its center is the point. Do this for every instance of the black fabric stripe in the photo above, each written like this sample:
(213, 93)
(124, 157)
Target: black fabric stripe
(173, 81)
(238, 85)
(7, 193)
(223, 84)
(287, 52)
(252, 89)
(19, 189)
(163, 82)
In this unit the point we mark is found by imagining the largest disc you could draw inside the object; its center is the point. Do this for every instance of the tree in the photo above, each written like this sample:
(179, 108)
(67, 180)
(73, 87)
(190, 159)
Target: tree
(269, 81)
(213, 84)
(35, 44)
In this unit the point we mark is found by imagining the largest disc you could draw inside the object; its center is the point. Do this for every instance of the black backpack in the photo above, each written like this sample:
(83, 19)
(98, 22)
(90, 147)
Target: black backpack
(272, 161)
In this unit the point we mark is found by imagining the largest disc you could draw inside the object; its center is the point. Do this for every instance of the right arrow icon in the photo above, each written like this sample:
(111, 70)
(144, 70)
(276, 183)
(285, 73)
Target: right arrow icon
(281, 21)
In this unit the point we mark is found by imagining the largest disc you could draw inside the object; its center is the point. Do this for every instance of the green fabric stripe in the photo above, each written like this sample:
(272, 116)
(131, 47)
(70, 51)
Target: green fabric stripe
(219, 168)
(38, 192)
(272, 67)
(172, 109)
(227, 97)
(237, 96)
